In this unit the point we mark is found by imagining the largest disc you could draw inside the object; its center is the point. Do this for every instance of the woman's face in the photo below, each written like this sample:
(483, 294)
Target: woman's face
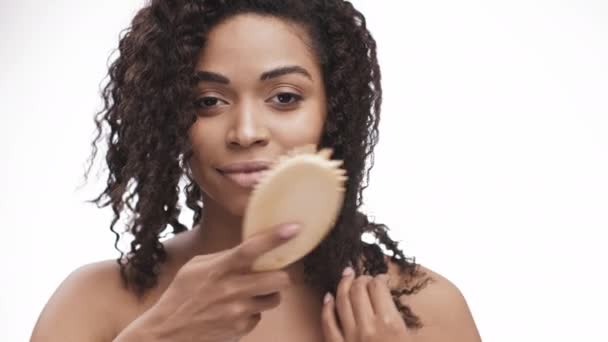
(260, 94)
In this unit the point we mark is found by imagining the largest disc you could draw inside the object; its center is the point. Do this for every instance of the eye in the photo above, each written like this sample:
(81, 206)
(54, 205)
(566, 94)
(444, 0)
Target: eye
(287, 98)
(206, 102)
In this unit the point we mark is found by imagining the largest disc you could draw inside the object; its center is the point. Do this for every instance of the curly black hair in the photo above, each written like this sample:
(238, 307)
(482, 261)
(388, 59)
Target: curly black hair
(149, 107)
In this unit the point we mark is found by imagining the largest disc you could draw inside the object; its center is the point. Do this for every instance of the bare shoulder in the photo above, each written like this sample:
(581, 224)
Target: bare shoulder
(441, 307)
(79, 308)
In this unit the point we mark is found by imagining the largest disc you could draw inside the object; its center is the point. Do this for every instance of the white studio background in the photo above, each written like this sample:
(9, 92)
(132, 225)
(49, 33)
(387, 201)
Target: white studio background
(491, 169)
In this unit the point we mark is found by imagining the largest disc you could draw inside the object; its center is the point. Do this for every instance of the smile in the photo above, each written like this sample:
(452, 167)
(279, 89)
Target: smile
(244, 179)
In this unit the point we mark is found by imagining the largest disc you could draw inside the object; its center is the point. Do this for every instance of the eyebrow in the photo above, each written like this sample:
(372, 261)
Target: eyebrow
(208, 76)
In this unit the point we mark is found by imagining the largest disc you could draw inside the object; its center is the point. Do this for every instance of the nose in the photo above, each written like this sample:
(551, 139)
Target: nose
(247, 128)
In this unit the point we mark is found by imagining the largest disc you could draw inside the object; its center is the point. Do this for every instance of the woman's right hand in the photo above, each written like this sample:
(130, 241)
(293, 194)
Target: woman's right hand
(217, 297)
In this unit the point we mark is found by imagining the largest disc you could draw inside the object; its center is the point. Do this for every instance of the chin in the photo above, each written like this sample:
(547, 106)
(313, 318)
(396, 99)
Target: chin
(237, 206)
(224, 195)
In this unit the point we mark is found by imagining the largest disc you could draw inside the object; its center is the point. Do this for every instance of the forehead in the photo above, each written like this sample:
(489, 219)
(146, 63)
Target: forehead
(254, 43)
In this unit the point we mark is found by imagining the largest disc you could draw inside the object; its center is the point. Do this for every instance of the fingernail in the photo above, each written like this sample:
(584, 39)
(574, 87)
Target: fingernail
(289, 230)
(327, 298)
(348, 271)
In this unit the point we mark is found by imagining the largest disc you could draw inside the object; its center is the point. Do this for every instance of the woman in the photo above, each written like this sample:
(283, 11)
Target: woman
(204, 90)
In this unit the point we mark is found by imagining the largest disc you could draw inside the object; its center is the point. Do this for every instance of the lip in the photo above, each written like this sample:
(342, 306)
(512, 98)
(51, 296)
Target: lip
(245, 174)
(245, 179)
(245, 166)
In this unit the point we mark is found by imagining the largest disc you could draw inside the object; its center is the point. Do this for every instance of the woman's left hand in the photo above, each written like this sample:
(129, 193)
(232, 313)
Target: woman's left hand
(366, 312)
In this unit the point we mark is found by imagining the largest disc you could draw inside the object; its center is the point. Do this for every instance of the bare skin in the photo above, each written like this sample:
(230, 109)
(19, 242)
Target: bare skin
(77, 311)
(246, 113)
(296, 318)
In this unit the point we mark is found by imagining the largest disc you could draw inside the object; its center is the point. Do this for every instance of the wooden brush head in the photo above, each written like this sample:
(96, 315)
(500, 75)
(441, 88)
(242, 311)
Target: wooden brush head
(304, 186)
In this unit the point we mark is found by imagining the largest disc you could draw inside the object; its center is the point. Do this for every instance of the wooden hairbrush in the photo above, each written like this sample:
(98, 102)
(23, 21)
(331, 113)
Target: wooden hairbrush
(304, 186)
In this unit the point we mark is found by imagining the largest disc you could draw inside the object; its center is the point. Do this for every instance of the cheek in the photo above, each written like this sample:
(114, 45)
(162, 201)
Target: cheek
(304, 128)
(214, 187)
(201, 173)
(205, 137)
(202, 141)
(206, 143)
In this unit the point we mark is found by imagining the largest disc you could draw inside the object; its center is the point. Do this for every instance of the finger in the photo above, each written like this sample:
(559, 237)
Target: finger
(243, 255)
(329, 323)
(360, 301)
(258, 304)
(380, 295)
(260, 283)
(247, 324)
(343, 305)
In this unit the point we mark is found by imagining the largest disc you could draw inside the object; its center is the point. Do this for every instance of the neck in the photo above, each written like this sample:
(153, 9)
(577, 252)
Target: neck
(218, 229)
